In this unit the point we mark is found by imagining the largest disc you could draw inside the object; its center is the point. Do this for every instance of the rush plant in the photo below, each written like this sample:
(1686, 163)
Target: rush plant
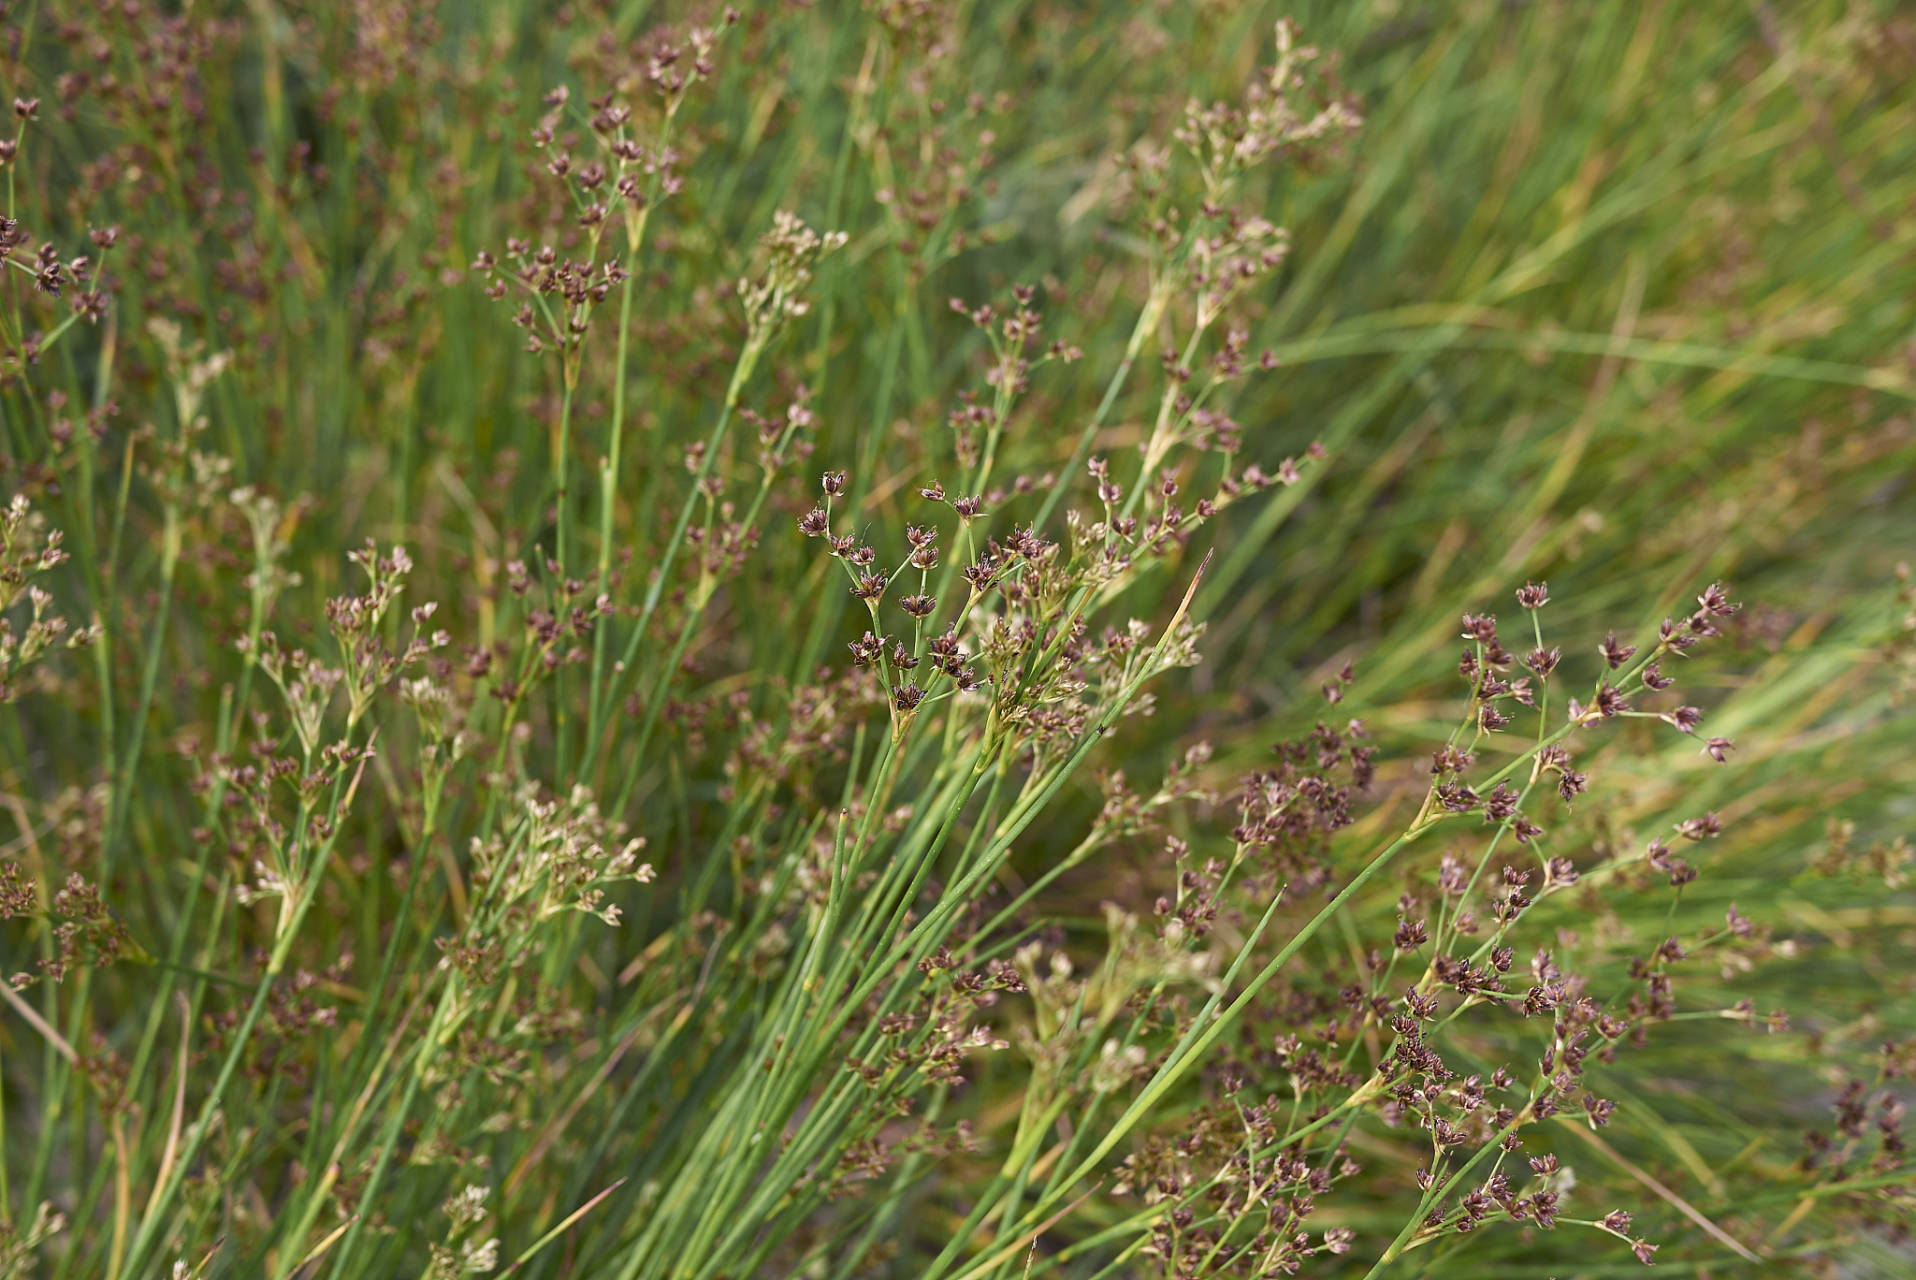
(956, 640)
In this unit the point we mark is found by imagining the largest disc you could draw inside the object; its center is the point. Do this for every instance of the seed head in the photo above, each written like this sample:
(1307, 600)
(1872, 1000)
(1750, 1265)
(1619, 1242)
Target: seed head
(1615, 653)
(1716, 601)
(1684, 719)
(1708, 826)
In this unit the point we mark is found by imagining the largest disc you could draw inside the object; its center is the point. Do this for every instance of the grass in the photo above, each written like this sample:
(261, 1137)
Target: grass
(1614, 296)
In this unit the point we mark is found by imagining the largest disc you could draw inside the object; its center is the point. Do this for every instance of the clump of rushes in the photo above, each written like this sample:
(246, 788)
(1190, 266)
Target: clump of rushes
(423, 863)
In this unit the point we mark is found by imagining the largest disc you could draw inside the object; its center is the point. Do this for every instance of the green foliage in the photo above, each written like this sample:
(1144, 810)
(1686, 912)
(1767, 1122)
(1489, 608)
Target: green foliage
(462, 819)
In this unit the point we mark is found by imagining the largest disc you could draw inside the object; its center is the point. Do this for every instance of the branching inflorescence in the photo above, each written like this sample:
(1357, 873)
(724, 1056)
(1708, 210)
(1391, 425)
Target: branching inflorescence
(560, 882)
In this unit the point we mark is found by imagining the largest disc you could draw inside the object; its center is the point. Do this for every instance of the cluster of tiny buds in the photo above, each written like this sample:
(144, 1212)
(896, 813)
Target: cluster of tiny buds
(1018, 327)
(1485, 664)
(53, 274)
(870, 584)
(1609, 700)
(665, 65)
(583, 285)
(967, 508)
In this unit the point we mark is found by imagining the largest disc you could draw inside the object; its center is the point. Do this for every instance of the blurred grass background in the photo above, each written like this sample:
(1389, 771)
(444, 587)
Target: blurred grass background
(1617, 295)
